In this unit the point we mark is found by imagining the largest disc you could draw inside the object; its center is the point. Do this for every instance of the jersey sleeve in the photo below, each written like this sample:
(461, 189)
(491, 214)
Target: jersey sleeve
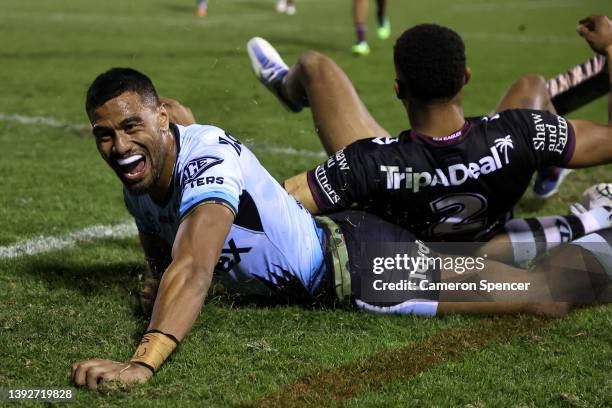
(548, 138)
(211, 173)
(346, 179)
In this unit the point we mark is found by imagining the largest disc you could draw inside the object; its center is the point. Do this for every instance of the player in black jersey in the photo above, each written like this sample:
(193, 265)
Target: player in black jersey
(450, 177)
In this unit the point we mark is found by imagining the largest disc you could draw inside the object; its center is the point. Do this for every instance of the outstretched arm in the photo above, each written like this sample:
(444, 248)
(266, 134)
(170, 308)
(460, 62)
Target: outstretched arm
(594, 141)
(186, 281)
(181, 294)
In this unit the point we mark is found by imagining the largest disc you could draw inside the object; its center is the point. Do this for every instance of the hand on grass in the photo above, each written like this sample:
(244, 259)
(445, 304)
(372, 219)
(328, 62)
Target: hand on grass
(92, 373)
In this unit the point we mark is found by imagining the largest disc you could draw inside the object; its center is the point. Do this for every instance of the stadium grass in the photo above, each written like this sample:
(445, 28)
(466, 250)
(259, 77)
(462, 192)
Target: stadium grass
(61, 307)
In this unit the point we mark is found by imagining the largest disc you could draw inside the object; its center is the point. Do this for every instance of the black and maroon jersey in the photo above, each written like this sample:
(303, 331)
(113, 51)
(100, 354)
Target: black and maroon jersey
(461, 187)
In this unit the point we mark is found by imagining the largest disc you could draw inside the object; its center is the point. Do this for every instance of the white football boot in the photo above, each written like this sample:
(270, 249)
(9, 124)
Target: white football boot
(270, 69)
(599, 195)
(281, 6)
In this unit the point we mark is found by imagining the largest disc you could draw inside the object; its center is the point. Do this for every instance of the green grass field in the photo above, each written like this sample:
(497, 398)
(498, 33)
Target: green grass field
(58, 307)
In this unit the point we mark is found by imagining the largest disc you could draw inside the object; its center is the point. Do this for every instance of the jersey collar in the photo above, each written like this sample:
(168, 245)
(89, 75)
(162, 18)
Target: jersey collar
(453, 138)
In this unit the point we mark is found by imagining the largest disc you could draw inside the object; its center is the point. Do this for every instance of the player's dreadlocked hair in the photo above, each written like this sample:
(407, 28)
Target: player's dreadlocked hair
(430, 61)
(116, 81)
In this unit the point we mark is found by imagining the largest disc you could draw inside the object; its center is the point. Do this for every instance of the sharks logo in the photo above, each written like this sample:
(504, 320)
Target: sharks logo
(194, 169)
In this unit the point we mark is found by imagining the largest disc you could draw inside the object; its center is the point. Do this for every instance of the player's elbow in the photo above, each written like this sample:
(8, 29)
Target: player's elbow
(313, 65)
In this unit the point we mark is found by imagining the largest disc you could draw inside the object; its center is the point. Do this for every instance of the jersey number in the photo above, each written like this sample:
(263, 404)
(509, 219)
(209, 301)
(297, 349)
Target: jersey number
(458, 213)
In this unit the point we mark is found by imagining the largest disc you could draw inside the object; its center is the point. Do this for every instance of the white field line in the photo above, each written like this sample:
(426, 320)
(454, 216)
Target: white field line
(521, 38)
(50, 122)
(41, 121)
(185, 21)
(48, 243)
(521, 5)
(512, 38)
(289, 151)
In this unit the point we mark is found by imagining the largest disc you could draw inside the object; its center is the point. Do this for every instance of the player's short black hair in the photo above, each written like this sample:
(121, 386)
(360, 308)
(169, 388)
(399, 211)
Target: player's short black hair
(430, 62)
(114, 82)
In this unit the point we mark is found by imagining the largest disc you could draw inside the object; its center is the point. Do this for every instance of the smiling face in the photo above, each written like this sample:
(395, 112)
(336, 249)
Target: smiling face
(132, 135)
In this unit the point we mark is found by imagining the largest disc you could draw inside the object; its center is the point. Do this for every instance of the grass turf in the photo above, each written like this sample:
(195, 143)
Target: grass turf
(75, 304)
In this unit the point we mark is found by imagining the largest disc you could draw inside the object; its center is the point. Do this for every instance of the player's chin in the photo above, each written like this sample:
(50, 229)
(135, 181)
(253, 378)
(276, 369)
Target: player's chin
(137, 187)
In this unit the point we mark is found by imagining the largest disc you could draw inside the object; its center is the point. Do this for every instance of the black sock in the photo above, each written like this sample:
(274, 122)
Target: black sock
(381, 11)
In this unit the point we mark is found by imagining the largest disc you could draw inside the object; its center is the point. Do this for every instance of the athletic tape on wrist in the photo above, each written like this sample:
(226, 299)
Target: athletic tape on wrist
(154, 349)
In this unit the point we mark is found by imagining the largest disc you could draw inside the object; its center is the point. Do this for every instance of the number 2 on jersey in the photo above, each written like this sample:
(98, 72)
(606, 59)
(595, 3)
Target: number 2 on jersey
(458, 213)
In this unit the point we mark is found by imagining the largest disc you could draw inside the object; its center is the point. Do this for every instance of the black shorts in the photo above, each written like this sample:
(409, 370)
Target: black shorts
(355, 239)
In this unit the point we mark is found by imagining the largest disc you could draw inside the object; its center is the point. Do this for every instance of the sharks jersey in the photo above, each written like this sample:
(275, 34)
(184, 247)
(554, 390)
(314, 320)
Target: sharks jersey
(457, 188)
(274, 246)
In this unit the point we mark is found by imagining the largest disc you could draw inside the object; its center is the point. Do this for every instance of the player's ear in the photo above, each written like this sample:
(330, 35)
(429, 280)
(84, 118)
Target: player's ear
(163, 117)
(400, 89)
(467, 75)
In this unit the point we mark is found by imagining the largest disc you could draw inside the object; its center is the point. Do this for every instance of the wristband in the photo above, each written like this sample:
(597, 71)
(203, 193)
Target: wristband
(154, 349)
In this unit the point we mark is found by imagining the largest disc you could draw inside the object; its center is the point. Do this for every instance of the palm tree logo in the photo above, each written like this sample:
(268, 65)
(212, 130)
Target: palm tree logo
(502, 144)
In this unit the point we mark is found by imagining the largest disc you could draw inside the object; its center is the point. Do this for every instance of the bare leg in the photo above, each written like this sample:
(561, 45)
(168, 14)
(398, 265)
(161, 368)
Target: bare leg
(340, 117)
(537, 300)
(529, 92)
(360, 18)
(497, 272)
(202, 7)
(568, 275)
(536, 292)
(499, 248)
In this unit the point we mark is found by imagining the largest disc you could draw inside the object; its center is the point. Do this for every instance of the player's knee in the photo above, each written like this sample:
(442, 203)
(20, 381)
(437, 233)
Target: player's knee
(528, 92)
(531, 82)
(313, 65)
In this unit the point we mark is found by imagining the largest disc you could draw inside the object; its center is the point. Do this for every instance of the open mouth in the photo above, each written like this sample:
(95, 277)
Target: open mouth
(132, 167)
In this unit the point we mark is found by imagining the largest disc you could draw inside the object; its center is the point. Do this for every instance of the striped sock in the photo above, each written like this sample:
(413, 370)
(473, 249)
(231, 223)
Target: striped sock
(580, 85)
(531, 237)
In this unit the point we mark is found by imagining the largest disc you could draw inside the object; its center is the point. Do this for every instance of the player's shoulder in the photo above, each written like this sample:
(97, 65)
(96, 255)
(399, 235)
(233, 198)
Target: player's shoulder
(375, 143)
(205, 149)
(195, 139)
(523, 115)
(201, 134)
